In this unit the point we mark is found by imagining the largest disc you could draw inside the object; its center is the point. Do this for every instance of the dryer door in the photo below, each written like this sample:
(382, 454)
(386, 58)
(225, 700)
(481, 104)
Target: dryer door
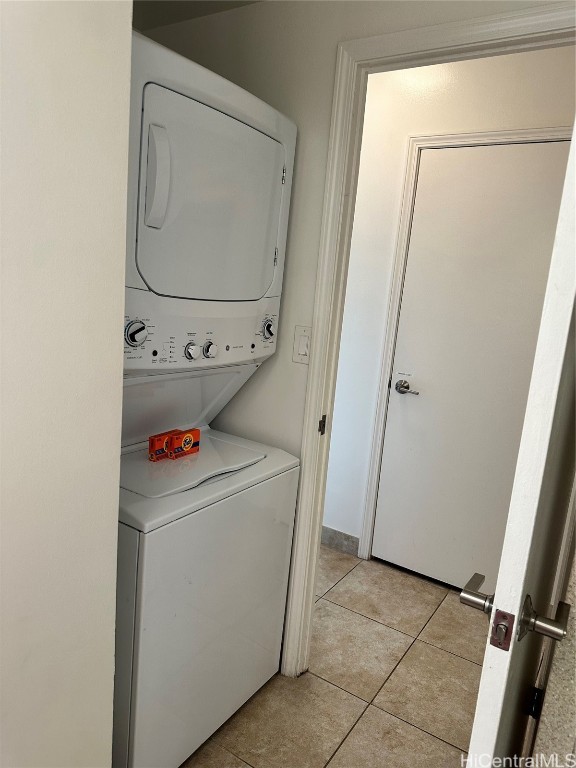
(209, 201)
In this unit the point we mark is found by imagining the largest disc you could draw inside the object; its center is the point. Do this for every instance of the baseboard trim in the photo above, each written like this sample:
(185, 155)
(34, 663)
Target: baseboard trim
(341, 541)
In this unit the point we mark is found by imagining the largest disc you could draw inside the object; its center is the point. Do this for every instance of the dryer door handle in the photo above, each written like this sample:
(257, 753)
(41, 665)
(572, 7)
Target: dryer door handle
(157, 176)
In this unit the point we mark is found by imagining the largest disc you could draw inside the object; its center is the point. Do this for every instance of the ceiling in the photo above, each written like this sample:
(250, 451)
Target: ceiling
(156, 13)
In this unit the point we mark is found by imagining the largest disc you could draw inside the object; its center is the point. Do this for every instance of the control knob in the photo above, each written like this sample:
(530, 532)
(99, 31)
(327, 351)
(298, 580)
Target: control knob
(135, 333)
(192, 351)
(210, 349)
(268, 329)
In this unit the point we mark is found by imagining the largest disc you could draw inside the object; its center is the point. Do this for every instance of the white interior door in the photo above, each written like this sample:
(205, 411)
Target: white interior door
(482, 232)
(539, 522)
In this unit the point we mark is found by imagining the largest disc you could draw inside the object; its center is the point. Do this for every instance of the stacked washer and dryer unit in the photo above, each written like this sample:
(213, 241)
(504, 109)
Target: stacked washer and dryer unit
(204, 541)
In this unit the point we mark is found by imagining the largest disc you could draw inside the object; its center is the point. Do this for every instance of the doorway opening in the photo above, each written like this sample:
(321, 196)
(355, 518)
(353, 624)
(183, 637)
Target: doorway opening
(417, 122)
(430, 134)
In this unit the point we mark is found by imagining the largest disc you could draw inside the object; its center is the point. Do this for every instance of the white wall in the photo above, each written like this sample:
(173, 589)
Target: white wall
(525, 90)
(285, 53)
(65, 92)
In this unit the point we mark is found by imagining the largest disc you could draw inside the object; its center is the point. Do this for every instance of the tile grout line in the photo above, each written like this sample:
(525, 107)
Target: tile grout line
(211, 740)
(344, 690)
(412, 641)
(434, 612)
(393, 670)
(354, 724)
(438, 648)
(419, 576)
(407, 722)
(237, 757)
(423, 730)
(339, 747)
(315, 674)
(370, 618)
(323, 597)
(413, 638)
(339, 580)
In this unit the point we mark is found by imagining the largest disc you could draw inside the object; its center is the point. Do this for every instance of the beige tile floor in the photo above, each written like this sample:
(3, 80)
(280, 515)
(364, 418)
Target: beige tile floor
(394, 671)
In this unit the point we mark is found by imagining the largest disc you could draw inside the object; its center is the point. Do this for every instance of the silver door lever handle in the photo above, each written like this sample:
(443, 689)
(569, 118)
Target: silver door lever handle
(475, 599)
(555, 628)
(403, 388)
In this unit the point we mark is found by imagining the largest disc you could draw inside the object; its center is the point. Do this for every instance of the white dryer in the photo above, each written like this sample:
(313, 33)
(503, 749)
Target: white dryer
(209, 180)
(204, 541)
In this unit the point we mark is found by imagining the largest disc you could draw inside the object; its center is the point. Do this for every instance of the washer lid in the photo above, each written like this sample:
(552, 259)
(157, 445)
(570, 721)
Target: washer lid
(164, 478)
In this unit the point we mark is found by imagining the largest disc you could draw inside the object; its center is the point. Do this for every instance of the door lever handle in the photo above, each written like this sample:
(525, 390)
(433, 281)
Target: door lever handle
(555, 628)
(403, 388)
(475, 599)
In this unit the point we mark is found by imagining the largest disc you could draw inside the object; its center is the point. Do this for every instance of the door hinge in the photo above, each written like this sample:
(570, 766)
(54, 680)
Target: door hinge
(284, 175)
(322, 425)
(534, 702)
(275, 256)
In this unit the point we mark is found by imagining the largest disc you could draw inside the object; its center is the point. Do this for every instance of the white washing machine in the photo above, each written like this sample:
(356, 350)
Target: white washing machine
(204, 541)
(202, 579)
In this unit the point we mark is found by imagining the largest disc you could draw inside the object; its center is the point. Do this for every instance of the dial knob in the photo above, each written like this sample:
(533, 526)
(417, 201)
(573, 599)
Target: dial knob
(192, 351)
(268, 329)
(136, 333)
(210, 349)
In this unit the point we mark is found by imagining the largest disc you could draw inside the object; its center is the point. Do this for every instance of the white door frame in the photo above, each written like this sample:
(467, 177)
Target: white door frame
(507, 33)
(415, 146)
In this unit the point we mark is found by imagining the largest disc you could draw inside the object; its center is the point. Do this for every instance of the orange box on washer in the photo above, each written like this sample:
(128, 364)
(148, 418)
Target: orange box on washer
(158, 445)
(183, 443)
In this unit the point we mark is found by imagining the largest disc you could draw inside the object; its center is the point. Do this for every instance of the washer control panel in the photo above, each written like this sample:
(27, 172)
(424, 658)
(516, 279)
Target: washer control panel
(163, 334)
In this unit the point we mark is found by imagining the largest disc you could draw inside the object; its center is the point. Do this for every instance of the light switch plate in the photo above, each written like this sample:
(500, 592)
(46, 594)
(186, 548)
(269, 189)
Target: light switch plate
(301, 350)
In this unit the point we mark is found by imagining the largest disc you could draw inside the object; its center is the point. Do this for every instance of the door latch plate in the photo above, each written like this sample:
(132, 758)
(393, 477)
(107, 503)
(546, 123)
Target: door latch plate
(502, 629)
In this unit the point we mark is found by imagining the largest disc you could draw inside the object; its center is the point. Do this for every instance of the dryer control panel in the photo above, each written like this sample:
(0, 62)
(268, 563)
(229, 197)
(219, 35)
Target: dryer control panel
(164, 334)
